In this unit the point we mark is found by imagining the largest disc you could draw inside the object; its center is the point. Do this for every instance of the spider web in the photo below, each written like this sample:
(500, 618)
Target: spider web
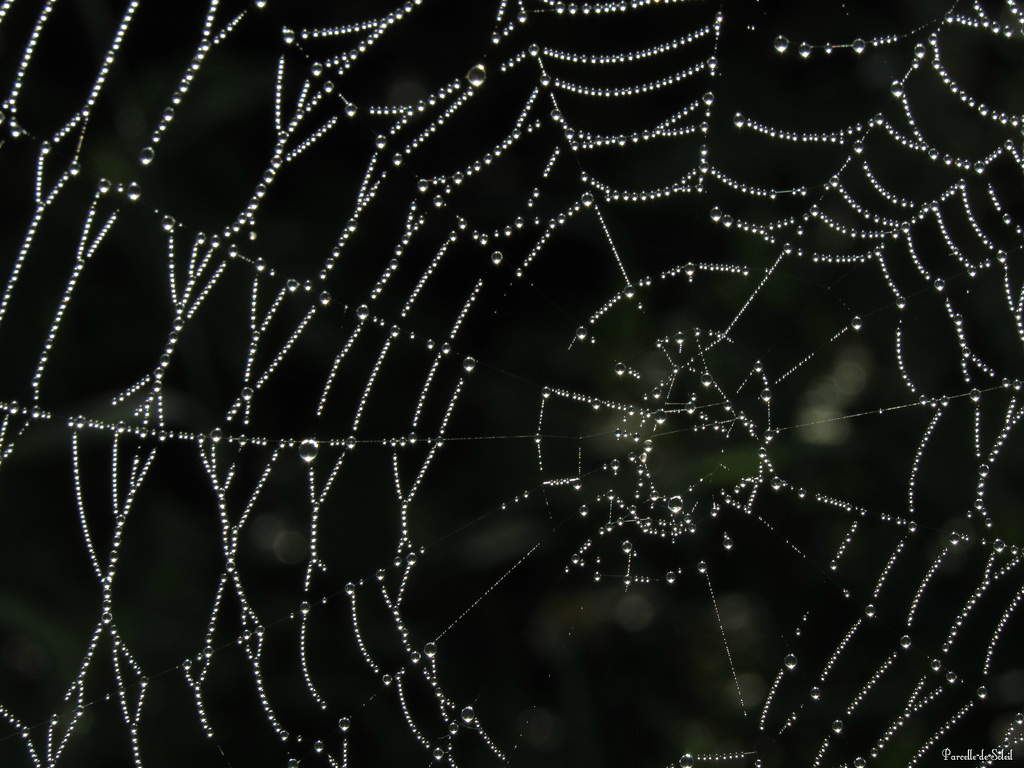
(528, 383)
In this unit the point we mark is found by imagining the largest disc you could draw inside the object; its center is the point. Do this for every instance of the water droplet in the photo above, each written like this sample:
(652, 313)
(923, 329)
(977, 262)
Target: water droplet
(587, 199)
(896, 89)
(620, 369)
(581, 333)
(716, 214)
(675, 504)
(362, 312)
(781, 44)
(381, 142)
(325, 298)
(216, 434)
(869, 611)
(304, 608)
(146, 155)
(167, 223)
(477, 75)
(982, 692)
(344, 724)
(837, 725)
(706, 380)
(627, 547)
(247, 393)
(308, 450)
(766, 395)
(859, 46)
(134, 191)
(975, 395)
(858, 146)
(726, 541)
(686, 761)
(430, 650)
(702, 567)
(857, 323)
(804, 50)
(790, 661)
(815, 693)
(496, 258)
(670, 577)
(468, 364)
(350, 110)
(468, 715)
(660, 417)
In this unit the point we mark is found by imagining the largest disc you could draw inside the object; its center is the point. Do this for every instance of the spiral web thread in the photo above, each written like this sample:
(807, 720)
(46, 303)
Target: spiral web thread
(901, 631)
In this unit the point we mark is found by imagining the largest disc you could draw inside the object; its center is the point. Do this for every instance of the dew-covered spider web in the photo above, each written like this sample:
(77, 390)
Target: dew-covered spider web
(511, 383)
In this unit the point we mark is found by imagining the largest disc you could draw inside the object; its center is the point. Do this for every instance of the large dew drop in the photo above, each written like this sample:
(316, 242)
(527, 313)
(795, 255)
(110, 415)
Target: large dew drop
(308, 450)
(477, 75)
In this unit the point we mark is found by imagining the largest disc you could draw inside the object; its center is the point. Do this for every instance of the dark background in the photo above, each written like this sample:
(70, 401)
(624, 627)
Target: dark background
(561, 669)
